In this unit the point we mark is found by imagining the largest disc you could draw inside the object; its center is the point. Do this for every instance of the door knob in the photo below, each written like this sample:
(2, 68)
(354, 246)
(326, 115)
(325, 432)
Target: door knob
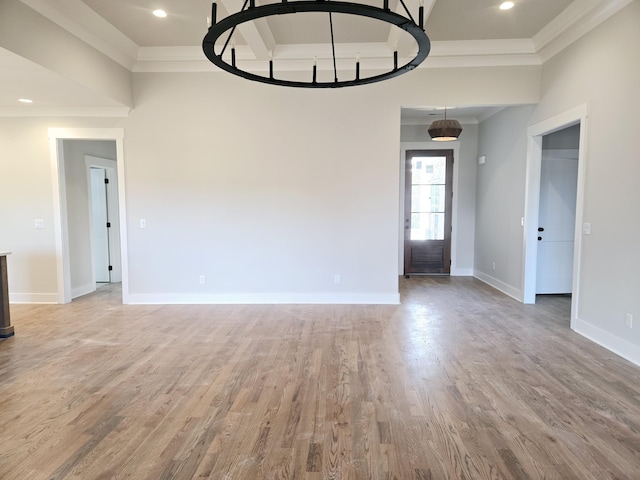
(540, 229)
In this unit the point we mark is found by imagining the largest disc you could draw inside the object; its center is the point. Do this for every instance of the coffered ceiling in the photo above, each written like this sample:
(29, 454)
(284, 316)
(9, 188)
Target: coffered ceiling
(462, 33)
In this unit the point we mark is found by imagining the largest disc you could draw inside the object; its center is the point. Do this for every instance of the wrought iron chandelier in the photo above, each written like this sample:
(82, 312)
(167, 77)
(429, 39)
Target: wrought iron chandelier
(223, 54)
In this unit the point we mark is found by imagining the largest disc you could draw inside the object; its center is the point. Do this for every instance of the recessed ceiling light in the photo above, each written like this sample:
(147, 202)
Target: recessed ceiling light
(25, 100)
(506, 5)
(160, 13)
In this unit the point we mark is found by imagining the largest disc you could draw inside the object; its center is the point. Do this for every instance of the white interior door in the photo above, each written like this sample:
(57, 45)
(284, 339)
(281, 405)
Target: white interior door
(556, 225)
(100, 230)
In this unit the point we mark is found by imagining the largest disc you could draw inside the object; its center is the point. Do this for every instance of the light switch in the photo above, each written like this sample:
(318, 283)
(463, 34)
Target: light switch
(38, 223)
(482, 160)
(586, 228)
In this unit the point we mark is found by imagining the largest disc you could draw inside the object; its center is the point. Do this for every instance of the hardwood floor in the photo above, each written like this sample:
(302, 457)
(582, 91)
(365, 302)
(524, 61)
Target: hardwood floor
(458, 382)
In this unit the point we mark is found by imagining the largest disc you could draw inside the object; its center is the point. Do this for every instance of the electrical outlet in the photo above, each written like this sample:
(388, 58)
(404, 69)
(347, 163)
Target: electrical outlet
(202, 280)
(337, 279)
(143, 223)
(629, 320)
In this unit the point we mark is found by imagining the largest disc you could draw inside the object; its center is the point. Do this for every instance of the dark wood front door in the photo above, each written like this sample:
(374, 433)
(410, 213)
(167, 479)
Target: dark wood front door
(427, 227)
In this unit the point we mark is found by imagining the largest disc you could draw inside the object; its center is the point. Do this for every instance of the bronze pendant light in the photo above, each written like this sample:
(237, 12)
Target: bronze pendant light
(445, 130)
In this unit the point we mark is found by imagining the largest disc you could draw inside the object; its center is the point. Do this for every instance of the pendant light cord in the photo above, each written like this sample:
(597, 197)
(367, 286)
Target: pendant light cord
(333, 48)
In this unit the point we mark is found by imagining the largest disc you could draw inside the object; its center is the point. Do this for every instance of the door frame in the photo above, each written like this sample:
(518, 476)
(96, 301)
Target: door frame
(577, 115)
(455, 146)
(449, 155)
(60, 221)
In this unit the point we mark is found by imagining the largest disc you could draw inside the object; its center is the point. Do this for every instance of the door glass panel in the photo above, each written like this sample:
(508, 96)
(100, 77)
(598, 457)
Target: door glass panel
(428, 170)
(427, 198)
(427, 226)
(428, 177)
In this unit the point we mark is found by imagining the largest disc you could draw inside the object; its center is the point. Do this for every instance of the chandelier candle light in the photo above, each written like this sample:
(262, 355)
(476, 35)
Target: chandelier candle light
(225, 28)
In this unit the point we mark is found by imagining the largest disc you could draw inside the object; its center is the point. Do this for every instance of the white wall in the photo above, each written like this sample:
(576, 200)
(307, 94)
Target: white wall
(263, 190)
(273, 191)
(268, 192)
(26, 194)
(603, 70)
(500, 199)
(599, 70)
(31, 35)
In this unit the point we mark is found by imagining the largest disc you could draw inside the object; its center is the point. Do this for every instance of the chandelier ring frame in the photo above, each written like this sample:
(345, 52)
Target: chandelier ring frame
(218, 29)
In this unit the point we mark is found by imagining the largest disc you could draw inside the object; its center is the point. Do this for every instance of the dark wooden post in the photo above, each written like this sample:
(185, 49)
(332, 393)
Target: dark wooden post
(6, 330)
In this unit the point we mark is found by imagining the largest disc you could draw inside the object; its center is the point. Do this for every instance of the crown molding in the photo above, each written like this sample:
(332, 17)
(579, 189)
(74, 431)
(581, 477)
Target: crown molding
(579, 18)
(477, 61)
(80, 20)
(373, 56)
(33, 111)
(423, 122)
(482, 53)
(519, 46)
(486, 113)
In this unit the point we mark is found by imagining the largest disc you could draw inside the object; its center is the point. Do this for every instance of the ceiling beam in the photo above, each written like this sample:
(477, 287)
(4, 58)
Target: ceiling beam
(257, 34)
(394, 32)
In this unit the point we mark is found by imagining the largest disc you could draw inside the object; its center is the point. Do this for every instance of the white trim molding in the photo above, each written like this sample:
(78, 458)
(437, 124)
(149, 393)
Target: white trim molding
(577, 19)
(579, 114)
(64, 294)
(83, 290)
(265, 299)
(617, 345)
(499, 285)
(85, 112)
(33, 298)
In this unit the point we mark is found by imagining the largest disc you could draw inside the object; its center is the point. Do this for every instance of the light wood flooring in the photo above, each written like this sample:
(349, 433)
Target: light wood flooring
(457, 382)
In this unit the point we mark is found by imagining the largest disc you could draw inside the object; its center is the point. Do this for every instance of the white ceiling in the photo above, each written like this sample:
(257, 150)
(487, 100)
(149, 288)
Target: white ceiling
(51, 93)
(448, 20)
(462, 32)
(428, 114)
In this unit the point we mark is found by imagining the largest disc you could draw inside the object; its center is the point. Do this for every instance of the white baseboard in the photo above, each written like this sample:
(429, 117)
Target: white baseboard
(264, 298)
(33, 298)
(617, 345)
(499, 285)
(83, 290)
(461, 272)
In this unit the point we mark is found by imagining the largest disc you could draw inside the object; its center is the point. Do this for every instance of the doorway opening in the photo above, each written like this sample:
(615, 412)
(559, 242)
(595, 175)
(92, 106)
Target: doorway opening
(557, 211)
(427, 222)
(81, 160)
(554, 202)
